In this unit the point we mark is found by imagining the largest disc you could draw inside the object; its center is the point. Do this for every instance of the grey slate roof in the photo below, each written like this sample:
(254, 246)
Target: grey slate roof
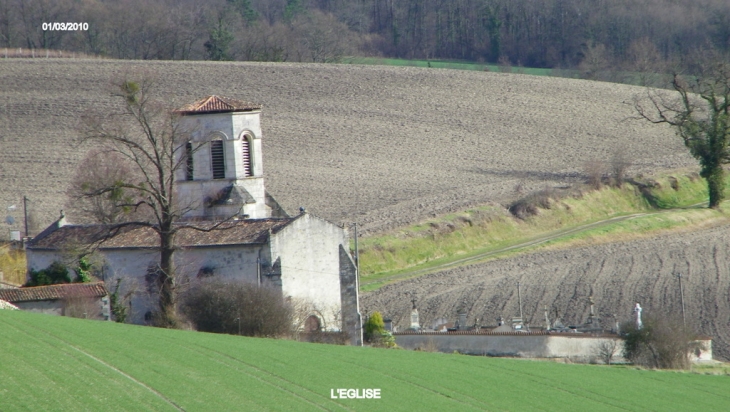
(251, 231)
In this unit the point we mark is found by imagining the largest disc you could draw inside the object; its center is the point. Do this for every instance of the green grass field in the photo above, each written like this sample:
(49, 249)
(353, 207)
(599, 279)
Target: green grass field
(445, 64)
(55, 363)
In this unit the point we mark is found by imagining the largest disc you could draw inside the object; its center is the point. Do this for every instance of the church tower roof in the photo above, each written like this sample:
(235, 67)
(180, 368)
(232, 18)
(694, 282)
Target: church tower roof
(217, 104)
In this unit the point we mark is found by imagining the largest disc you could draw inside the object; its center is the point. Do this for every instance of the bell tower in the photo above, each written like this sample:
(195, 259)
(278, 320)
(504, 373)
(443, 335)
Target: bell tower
(220, 171)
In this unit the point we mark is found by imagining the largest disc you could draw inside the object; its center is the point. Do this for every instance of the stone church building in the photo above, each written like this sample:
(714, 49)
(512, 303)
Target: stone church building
(304, 256)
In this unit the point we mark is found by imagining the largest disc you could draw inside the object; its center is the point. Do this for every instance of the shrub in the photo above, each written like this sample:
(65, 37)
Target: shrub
(374, 327)
(530, 205)
(662, 342)
(594, 170)
(56, 273)
(619, 164)
(119, 302)
(375, 332)
(607, 349)
(83, 272)
(231, 307)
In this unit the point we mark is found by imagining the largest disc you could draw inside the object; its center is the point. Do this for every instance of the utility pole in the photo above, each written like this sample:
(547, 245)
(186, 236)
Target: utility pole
(519, 299)
(681, 296)
(25, 214)
(357, 253)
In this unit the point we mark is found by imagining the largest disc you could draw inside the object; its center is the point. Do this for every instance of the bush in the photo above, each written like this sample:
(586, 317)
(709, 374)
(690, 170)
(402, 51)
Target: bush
(375, 332)
(54, 274)
(374, 327)
(530, 205)
(619, 164)
(84, 271)
(237, 308)
(595, 170)
(662, 342)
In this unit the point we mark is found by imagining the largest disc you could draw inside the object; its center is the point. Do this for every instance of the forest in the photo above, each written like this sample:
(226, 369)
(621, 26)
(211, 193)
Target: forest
(590, 35)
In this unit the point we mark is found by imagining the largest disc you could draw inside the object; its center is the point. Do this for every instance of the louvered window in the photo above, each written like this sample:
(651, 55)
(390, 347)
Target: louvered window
(246, 144)
(217, 159)
(188, 161)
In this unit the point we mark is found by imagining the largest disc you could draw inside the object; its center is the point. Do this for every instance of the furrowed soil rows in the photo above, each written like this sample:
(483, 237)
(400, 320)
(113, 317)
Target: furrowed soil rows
(617, 275)
(384, 146)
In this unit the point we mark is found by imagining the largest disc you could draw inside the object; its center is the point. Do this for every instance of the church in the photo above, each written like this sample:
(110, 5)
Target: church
(307, 258)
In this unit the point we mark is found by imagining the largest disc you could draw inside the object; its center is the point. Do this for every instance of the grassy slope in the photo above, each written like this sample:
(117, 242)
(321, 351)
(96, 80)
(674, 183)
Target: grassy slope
(445, 64)
(54, 363)
(435, 242)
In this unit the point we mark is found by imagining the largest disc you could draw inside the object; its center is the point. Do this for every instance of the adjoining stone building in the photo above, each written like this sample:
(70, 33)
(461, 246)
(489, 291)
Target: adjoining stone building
(80, 300)
(304, 256)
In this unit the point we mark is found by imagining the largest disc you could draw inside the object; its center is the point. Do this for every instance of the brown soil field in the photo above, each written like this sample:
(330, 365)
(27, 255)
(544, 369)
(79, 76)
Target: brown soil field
(383, 146)
(617, 275)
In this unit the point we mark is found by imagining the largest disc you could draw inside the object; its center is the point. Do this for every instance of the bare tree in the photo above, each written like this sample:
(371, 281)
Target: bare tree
(644, 59)
(96, 193)
(595, 170)
(619, 163)
(607, 349)
(144, 132)
(700, 113)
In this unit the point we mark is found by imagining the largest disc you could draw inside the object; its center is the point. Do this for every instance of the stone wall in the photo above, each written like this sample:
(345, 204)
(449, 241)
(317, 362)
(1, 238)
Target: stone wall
(349, 287)
(576, 347)
(522, 345)
(308, 249)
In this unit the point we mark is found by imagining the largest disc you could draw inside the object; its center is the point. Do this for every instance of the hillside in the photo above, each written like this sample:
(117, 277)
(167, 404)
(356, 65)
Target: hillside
(383, 146)
(616, 274)
(54, 363)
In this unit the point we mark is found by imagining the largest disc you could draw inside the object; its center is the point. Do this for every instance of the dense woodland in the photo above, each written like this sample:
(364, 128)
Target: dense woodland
(592, 35)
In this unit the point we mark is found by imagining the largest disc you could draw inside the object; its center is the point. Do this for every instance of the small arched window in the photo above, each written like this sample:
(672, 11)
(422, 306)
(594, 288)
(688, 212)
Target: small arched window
(246, 150)
(217, 159)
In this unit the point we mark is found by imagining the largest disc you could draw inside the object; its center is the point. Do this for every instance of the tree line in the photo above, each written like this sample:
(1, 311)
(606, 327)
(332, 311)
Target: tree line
(596, 34)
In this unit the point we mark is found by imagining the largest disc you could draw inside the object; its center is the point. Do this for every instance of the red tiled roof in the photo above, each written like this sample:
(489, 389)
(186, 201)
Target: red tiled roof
(52, 292)
(217, 104)
(251, 231)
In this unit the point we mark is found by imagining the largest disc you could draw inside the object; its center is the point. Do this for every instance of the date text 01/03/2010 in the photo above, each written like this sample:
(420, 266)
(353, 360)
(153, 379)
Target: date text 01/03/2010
(65, 26)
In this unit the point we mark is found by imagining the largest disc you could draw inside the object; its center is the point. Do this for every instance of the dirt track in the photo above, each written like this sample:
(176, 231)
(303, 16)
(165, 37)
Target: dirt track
(618, 275)
(381, 145)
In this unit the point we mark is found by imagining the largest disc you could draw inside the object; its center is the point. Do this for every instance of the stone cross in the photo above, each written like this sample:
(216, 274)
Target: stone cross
(637, 315)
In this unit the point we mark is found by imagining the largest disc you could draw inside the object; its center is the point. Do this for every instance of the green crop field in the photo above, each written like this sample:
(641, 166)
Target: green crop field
(446, 64)
(55, 363)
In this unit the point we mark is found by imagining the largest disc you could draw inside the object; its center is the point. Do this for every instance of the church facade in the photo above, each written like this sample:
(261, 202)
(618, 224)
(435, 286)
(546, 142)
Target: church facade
(307, 258)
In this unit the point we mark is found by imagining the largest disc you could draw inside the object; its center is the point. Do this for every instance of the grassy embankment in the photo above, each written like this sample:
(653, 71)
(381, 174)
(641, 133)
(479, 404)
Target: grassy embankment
(569, 220)
(58, 363)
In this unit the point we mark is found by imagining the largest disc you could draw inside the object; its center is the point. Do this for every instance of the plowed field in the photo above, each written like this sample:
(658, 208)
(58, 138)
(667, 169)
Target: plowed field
(617, 275)
(383, 146)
